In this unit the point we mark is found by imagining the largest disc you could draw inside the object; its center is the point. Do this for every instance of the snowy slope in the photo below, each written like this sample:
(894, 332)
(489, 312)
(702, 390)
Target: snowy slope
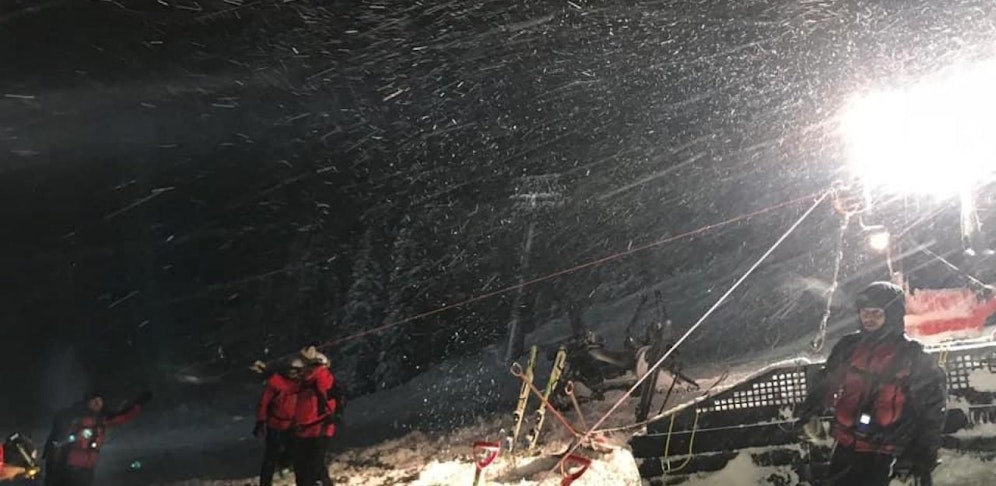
(956, 469)
(420, 432)
(437, 449)
(422, 429)
(444, 457)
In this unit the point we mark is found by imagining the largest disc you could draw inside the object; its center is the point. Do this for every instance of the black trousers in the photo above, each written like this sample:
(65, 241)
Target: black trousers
(57, 473)
(850, 468)
(69, 476)
(277, 454)
(310, 468)
(54, 466)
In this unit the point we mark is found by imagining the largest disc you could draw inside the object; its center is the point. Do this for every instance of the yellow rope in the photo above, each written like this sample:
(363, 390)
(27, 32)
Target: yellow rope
(691, 444)
(667, 444)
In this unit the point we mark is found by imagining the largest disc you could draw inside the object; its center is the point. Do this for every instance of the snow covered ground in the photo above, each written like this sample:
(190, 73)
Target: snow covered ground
(422, 432)
(956, 469)
(419, 433)
(445, 457)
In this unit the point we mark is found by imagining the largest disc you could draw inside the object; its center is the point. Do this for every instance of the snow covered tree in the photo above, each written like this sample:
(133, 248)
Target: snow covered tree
(364, 310)
(395, 363)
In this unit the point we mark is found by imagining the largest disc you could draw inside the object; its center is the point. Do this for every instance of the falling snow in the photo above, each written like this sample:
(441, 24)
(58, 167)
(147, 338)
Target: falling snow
(242, 177)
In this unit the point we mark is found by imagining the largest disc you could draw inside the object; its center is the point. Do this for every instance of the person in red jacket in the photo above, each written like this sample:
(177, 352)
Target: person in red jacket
(888, 397)
(275, 418)
(78, 433)
(315, 421)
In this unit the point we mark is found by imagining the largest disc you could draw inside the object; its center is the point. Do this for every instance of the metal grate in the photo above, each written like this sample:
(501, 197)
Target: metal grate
(788, 387)
(758, 403)
(785, 388)
(959, 367)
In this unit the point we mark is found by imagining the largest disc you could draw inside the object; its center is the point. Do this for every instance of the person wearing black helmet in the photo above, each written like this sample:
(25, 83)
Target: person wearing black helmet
(887, 396)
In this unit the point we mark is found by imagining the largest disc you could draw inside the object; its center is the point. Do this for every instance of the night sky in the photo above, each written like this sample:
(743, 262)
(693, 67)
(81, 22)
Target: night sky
(189, 186)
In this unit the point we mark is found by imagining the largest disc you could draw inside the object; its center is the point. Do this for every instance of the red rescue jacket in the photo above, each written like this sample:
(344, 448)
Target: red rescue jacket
(872, 395)
(278, 404)
(887, 395)
(315, 408)
(86, 434)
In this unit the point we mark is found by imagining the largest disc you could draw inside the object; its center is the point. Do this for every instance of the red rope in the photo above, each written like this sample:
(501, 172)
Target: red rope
(699, 322)
(570, 270)
(517, 372)
(562, 272)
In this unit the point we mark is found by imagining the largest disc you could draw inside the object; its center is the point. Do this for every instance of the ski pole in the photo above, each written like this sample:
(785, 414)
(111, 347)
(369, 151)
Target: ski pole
(569, 390)
(484, 453)
(517, 372)
(667, 396)
(551, 386)
(522, 402)
(683, 377)
(580, 464)
(647, 395)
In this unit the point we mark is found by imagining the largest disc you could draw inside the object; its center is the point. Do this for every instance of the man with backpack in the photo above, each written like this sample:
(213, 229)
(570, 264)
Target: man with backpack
(275, 418)
(888, 397)
(315, 420)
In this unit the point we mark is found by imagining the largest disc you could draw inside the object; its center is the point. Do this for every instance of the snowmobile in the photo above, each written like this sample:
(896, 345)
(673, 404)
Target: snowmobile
(585, 360)
(601, 369)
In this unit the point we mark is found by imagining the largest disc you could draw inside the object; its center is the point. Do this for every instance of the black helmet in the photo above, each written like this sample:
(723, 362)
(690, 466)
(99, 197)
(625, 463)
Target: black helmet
(886, 296)
(19, 451)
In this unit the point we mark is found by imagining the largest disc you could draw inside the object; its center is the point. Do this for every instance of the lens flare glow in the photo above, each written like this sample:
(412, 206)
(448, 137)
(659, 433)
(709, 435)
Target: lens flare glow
(879, 240)
(937, 137)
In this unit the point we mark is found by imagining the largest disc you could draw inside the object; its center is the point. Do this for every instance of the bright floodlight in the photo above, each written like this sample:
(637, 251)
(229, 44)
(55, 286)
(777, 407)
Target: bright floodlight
(879, 240)
(937, 137)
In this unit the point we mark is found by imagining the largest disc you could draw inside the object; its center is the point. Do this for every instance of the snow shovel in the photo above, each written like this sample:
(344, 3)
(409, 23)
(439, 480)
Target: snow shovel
(484, 454)
(572, 467)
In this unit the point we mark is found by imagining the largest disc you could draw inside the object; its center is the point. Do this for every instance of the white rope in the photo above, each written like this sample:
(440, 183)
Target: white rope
(695, 326)
(817, 343)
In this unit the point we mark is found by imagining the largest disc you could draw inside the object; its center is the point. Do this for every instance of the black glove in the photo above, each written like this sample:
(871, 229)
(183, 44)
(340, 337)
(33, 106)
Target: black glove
(259, 430)
(902, 468)
(143, 398)
(910, 466)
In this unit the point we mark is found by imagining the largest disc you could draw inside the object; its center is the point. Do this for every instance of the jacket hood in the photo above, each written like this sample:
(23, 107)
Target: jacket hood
(889, 297)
